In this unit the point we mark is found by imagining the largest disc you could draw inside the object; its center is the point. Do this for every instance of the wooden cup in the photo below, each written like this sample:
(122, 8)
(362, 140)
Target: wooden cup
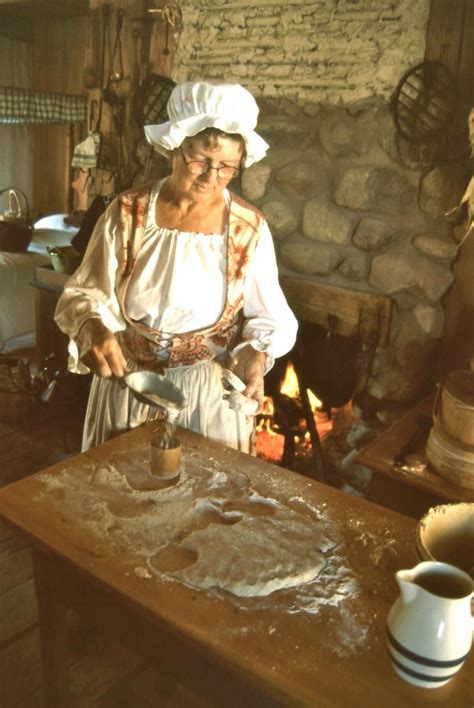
(165, 461)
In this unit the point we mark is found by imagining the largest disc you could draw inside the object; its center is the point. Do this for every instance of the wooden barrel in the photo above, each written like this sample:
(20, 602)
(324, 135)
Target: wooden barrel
(451, 459)
(456, 406)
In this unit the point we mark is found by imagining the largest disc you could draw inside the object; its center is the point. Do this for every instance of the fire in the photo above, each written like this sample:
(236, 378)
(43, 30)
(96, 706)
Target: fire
(271, 438)
(291, 388)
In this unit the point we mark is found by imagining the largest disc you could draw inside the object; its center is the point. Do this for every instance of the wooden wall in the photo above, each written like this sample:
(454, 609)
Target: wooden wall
(142, 39)
(67, 53)
(450, 39)
(58, 61)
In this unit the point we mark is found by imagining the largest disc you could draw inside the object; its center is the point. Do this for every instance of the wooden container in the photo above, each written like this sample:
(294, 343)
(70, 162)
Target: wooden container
(450, 458)
(456, 406)
(446, 534)
(165, 457)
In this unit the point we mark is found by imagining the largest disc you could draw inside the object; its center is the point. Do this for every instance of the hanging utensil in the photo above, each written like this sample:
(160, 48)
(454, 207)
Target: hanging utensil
(15, 231)
(116, 75)
(157, 391)
(166, 51)
(106, 11)
(170, 13)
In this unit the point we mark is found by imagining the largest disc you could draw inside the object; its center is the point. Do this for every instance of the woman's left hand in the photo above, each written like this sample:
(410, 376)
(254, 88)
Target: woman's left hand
(249, 365)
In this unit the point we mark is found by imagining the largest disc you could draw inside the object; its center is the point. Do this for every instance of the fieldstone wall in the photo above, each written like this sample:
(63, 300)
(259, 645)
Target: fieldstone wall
(310, 51)
(348, 208)
(349, 201)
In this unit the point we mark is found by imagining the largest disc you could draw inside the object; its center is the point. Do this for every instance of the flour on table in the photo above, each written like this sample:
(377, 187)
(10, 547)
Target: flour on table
(214, 530)
(256, 556)
(143, 573)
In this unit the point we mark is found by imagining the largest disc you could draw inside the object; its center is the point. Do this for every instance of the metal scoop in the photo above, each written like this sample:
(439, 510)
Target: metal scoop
(155, 390)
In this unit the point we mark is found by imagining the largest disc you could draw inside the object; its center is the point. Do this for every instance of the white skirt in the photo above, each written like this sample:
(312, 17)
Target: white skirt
(113, 409)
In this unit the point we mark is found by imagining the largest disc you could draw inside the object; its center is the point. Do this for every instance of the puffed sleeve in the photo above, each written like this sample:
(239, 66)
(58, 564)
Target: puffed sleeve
(90, 292)
(269, 326)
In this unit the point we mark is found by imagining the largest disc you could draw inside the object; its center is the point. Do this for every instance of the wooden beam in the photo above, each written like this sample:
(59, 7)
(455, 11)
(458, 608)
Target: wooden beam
(466, 63)
(46, 8)
(444, 32)
(15, 28)
(357, 312)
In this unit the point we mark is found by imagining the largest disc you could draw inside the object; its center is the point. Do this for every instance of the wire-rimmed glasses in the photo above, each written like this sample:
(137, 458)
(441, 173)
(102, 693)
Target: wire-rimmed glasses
(200, 167)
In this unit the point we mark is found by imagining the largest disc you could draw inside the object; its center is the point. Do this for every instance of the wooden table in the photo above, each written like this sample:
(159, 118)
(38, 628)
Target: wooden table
(410, 491)
(235, 651)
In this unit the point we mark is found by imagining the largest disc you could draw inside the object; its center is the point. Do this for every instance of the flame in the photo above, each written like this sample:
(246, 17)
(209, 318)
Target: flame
(290, 388)
(314, 401)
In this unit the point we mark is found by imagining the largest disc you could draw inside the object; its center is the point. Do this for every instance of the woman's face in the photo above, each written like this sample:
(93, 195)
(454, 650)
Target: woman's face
(218, 152)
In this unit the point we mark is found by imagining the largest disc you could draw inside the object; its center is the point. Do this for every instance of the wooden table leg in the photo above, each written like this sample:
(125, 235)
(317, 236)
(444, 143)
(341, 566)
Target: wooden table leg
(52, 620)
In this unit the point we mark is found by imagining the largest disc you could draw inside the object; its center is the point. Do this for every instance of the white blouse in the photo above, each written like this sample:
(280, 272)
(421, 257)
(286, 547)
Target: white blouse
(178, 285)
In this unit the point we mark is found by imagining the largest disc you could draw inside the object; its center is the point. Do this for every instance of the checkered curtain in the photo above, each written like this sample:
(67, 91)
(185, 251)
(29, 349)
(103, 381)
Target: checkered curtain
(20, 105)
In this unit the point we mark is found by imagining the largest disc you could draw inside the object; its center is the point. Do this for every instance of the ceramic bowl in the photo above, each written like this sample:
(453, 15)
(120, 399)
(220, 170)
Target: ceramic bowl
(446, 534)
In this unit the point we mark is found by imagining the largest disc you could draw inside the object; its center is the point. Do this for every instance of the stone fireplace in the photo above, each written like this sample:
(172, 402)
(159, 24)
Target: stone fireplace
(361, 236)
(357, 210)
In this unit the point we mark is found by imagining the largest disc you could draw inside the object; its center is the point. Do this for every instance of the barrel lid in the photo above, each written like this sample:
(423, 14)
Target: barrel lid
(460, 384)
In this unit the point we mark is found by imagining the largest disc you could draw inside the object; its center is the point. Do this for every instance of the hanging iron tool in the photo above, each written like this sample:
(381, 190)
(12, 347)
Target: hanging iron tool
(106, 12)
(149, 106)
(112, 157)
(116, 73)
(170, 13)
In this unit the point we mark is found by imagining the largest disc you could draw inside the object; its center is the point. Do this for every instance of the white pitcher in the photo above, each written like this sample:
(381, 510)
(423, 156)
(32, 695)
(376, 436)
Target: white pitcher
(429, 628)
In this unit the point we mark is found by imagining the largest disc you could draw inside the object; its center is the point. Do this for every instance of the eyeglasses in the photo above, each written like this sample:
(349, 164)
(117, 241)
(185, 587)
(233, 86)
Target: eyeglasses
(200, 167)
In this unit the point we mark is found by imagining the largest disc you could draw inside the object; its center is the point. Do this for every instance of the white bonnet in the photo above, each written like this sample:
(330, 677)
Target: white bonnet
(194, 106)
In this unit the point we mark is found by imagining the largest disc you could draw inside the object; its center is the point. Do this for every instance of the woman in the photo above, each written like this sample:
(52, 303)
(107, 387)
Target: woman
(180, 277)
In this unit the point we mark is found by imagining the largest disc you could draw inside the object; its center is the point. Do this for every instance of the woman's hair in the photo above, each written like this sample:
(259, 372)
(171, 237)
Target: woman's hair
(209, 137)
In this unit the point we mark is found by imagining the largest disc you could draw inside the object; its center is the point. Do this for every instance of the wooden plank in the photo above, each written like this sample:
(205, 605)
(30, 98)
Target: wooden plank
(14, 27)
(18, 611)
(35, 9)
(15, 570)
(32, 700)
(6, 532)
(20, 671)
(444, 32)
(466, 63)
(62, 41)
(11, 545)
(97, 672)
(356, 311)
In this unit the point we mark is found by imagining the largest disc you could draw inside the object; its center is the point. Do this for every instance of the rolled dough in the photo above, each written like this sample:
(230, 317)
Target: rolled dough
(256, 556)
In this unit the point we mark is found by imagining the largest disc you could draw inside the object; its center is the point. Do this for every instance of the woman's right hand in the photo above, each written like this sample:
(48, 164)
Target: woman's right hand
(103, 355)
